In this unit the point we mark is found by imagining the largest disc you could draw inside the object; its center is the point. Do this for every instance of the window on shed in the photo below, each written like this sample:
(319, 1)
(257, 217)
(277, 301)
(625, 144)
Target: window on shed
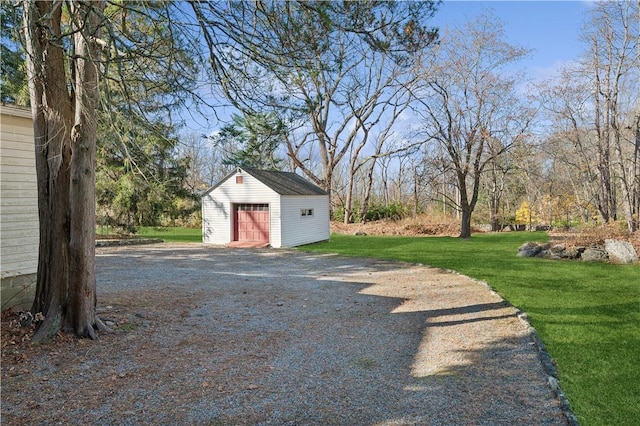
(252, 207)
(238, 179)
(306, 212)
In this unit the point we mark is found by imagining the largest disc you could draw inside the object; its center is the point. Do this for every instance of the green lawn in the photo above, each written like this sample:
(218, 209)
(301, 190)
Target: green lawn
(172, 234)
(587, 314)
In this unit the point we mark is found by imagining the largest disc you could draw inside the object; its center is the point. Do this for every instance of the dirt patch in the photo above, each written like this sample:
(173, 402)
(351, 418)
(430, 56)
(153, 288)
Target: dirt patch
(207, 335)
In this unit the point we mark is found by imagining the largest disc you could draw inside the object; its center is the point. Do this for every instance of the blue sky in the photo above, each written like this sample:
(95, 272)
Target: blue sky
(550, 28)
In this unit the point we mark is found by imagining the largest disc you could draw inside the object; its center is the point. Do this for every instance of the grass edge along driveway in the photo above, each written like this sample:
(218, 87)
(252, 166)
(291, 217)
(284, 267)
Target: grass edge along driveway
(587, 314)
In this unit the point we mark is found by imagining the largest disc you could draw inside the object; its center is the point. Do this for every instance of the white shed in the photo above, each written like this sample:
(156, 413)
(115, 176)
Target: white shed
(260, 207)
(18, 208)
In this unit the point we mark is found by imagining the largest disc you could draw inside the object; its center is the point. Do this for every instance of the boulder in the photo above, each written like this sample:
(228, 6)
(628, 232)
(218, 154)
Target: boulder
(574, 252)
(594, 254)
(529, 250)
(557, 251)
(620, 251)
(614, 251)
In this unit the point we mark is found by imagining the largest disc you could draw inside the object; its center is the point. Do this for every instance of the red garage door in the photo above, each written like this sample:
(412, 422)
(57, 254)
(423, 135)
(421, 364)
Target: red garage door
(251, 222)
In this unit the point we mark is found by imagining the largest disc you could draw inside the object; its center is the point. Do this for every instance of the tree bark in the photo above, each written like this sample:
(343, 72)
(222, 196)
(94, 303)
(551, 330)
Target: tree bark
(52, 112)
(464, 207)
(65, 137)
(465, 224)
(82, 270)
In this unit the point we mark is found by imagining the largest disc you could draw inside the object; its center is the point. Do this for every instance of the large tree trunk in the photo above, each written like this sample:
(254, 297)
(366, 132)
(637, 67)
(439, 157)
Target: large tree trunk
(82, 274)
(465, 222)
(464, 207)
(467, 204)
(52, 113)
(65, 140)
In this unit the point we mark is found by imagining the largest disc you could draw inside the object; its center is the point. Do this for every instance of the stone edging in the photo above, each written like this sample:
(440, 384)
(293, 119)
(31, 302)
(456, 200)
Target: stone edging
(543, 356)
(550, 369)
(128, 242)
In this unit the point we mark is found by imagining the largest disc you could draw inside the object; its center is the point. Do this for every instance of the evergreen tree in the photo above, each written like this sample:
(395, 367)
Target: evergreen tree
(13, 72)
(140, 180)
(252, 140)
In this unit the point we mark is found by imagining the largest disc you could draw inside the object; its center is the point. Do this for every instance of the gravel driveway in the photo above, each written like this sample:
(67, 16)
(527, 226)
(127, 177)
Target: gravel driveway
(216, 336)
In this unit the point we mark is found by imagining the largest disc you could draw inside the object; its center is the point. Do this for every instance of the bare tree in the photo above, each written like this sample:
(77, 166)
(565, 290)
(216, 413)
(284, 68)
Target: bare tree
(305, 61)
(469, 104)
(614, 39)
(196, 150)
(498, 169)
(375, 101)
(571, 142)
(594, 105)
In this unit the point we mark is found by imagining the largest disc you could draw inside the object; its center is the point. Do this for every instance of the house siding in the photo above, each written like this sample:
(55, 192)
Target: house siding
(297, 229)
(18, 208)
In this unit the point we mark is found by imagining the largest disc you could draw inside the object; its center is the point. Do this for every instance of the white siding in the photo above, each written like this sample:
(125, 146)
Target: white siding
(297, 229)
(217, 217)
(18, 208)
(275, 213)
(288, 228)
(217, 208)
(19, 199)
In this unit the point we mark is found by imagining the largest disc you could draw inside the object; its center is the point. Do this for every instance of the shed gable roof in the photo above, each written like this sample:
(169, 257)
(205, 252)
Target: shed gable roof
(283, 183)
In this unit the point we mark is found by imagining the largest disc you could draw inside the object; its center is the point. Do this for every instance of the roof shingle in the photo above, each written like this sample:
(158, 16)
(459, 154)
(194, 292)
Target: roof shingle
(285, 183)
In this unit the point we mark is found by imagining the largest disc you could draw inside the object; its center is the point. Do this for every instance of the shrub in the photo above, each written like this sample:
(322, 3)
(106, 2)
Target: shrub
(393, 211)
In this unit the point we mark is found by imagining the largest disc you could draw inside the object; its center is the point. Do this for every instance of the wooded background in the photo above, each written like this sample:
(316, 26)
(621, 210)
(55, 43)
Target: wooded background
(374, 103)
